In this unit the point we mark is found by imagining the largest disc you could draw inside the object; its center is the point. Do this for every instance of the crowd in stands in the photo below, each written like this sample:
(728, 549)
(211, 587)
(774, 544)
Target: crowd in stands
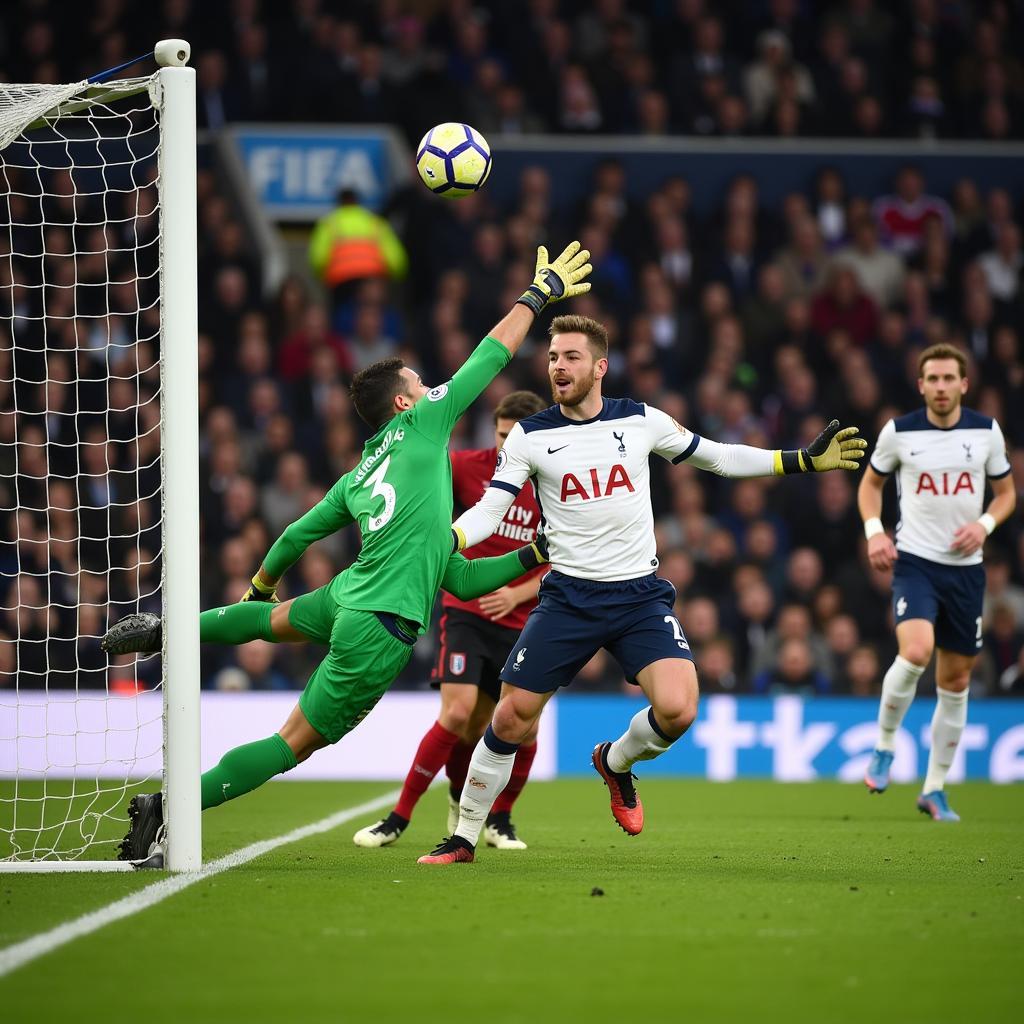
(779, 68)
(755, 324)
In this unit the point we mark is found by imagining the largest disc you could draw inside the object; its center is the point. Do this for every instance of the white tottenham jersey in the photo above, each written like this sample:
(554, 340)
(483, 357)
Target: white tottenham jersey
(593, 483)
(940, 478)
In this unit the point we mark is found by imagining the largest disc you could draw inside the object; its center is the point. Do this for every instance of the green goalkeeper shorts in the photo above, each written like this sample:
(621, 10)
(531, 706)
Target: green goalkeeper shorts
(363, 660)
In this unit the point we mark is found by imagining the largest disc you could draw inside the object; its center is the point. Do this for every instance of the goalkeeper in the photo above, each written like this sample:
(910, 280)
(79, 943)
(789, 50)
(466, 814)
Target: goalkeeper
(370, 615)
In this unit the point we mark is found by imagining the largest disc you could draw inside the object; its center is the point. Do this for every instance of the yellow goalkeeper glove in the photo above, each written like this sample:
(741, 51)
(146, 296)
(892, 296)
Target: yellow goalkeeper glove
(831, 449)
(259, 591)
(562, 279)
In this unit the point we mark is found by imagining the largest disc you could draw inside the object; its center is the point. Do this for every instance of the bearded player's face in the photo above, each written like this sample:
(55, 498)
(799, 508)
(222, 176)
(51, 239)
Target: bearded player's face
(572, 369)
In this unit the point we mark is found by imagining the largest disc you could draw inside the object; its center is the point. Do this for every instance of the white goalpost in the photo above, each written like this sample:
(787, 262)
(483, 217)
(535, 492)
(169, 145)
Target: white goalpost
(99, 494)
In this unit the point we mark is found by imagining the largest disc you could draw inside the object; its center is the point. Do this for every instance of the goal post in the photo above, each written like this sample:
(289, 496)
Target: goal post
(99, 448)
(180, 361)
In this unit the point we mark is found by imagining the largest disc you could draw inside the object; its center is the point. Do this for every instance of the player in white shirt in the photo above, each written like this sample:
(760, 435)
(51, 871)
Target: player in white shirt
(588, 459)
(942, 455)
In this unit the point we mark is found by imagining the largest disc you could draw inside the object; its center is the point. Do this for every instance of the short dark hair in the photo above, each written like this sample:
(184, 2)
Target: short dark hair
(574, 323)
(373, 390)
(518, 405)
(943, 350)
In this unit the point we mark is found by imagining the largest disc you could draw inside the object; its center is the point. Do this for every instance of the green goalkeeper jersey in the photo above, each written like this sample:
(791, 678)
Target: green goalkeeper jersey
(400, 494)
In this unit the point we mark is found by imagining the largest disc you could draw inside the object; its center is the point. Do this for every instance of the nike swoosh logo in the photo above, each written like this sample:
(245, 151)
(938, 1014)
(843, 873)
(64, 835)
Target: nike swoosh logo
(920, 451)
(551, 451)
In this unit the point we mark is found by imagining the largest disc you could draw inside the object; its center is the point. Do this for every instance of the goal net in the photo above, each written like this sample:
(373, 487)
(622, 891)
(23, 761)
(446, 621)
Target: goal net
(89, 310)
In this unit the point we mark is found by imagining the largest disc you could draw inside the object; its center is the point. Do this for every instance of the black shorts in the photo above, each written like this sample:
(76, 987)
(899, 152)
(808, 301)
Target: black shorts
(632, 620)
(472, 651)
(948, 596)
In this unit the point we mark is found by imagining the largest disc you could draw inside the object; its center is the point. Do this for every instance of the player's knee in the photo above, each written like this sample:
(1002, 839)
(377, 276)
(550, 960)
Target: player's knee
(456, 715)
(957, 682)
(508, 724)
(675, 718)
(917, 652)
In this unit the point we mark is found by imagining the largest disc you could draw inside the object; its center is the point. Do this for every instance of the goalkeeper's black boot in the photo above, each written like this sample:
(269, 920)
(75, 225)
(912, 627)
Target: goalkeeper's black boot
(143, 845)
(134, 634)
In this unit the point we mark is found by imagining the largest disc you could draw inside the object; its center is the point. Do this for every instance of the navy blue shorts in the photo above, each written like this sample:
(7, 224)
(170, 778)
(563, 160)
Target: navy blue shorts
(949, 596)
(632, 619)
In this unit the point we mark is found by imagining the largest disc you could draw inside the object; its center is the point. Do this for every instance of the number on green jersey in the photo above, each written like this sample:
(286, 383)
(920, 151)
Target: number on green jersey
(381, 490)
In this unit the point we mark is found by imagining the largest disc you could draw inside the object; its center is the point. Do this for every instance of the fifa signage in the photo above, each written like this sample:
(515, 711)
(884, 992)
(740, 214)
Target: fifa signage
(797, 739)
(296, 175)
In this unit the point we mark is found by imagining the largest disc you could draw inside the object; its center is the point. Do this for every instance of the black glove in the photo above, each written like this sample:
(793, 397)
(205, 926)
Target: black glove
(535, 554)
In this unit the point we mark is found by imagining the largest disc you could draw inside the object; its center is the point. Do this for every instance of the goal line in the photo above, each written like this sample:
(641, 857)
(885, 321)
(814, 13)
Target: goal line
(24, 952)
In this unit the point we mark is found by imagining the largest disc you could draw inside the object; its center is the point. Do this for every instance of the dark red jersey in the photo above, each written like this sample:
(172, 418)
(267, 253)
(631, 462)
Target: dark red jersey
(471, 473)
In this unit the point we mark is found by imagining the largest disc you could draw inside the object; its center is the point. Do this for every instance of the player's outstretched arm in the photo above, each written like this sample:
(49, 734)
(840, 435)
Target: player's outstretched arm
(833, 448)
(557, 280)
(467, 578)
(326, 517)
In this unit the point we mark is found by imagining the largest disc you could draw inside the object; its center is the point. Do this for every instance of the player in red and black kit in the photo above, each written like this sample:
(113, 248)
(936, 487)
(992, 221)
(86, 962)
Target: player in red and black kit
(476, 637)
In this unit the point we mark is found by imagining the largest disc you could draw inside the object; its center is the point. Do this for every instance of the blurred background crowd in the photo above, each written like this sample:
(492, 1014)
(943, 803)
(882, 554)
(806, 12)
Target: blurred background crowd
(754, 323)
(865, 68)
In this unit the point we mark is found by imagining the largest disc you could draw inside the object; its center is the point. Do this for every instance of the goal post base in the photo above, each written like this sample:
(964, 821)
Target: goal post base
(40, 867)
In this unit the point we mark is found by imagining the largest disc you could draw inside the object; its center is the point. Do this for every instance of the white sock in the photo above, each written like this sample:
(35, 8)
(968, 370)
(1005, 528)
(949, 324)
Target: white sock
(642, 741)
(898, 689)
(947, 724)
(488, 774)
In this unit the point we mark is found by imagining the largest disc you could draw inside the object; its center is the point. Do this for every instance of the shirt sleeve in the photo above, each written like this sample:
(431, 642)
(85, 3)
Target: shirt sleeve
(997, 465)
(669, 439)
(324, 518)
(672, 441)
(436, 414)
(886, 457)
(511, 471)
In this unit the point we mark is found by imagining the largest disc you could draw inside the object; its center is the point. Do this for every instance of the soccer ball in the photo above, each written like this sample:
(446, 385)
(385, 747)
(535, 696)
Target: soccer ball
(453, 160)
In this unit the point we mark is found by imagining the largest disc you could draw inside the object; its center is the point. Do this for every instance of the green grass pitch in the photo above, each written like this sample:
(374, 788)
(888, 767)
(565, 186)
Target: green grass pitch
(746, 901)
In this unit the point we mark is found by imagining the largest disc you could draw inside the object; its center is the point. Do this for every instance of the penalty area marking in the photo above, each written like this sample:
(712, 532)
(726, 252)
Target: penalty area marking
(30, 949)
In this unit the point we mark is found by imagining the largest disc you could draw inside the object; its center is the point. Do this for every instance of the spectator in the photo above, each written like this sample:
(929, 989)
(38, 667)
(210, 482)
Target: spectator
(792, 671)
(352, 244)
(369, 343)
(902, 216)
(844, 305)
(1003, 264)
(762, 79)
(793, 623)
(1004, 638)
(879, 270)
(253, 670)
(298, 350)
(578, 103)
(803, 262)
(863, 675)
(716, 668)
(1001, 591)
(284, 499)
(736, 265)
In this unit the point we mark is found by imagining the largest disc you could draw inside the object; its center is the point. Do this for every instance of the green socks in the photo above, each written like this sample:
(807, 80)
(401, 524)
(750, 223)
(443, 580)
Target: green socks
(246, 767)
(236, 623)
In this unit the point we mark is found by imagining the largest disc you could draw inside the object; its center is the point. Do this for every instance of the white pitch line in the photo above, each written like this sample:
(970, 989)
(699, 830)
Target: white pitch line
(39, 945)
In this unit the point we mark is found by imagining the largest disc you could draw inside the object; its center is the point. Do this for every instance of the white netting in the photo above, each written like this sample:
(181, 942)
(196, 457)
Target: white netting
(80, 484)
